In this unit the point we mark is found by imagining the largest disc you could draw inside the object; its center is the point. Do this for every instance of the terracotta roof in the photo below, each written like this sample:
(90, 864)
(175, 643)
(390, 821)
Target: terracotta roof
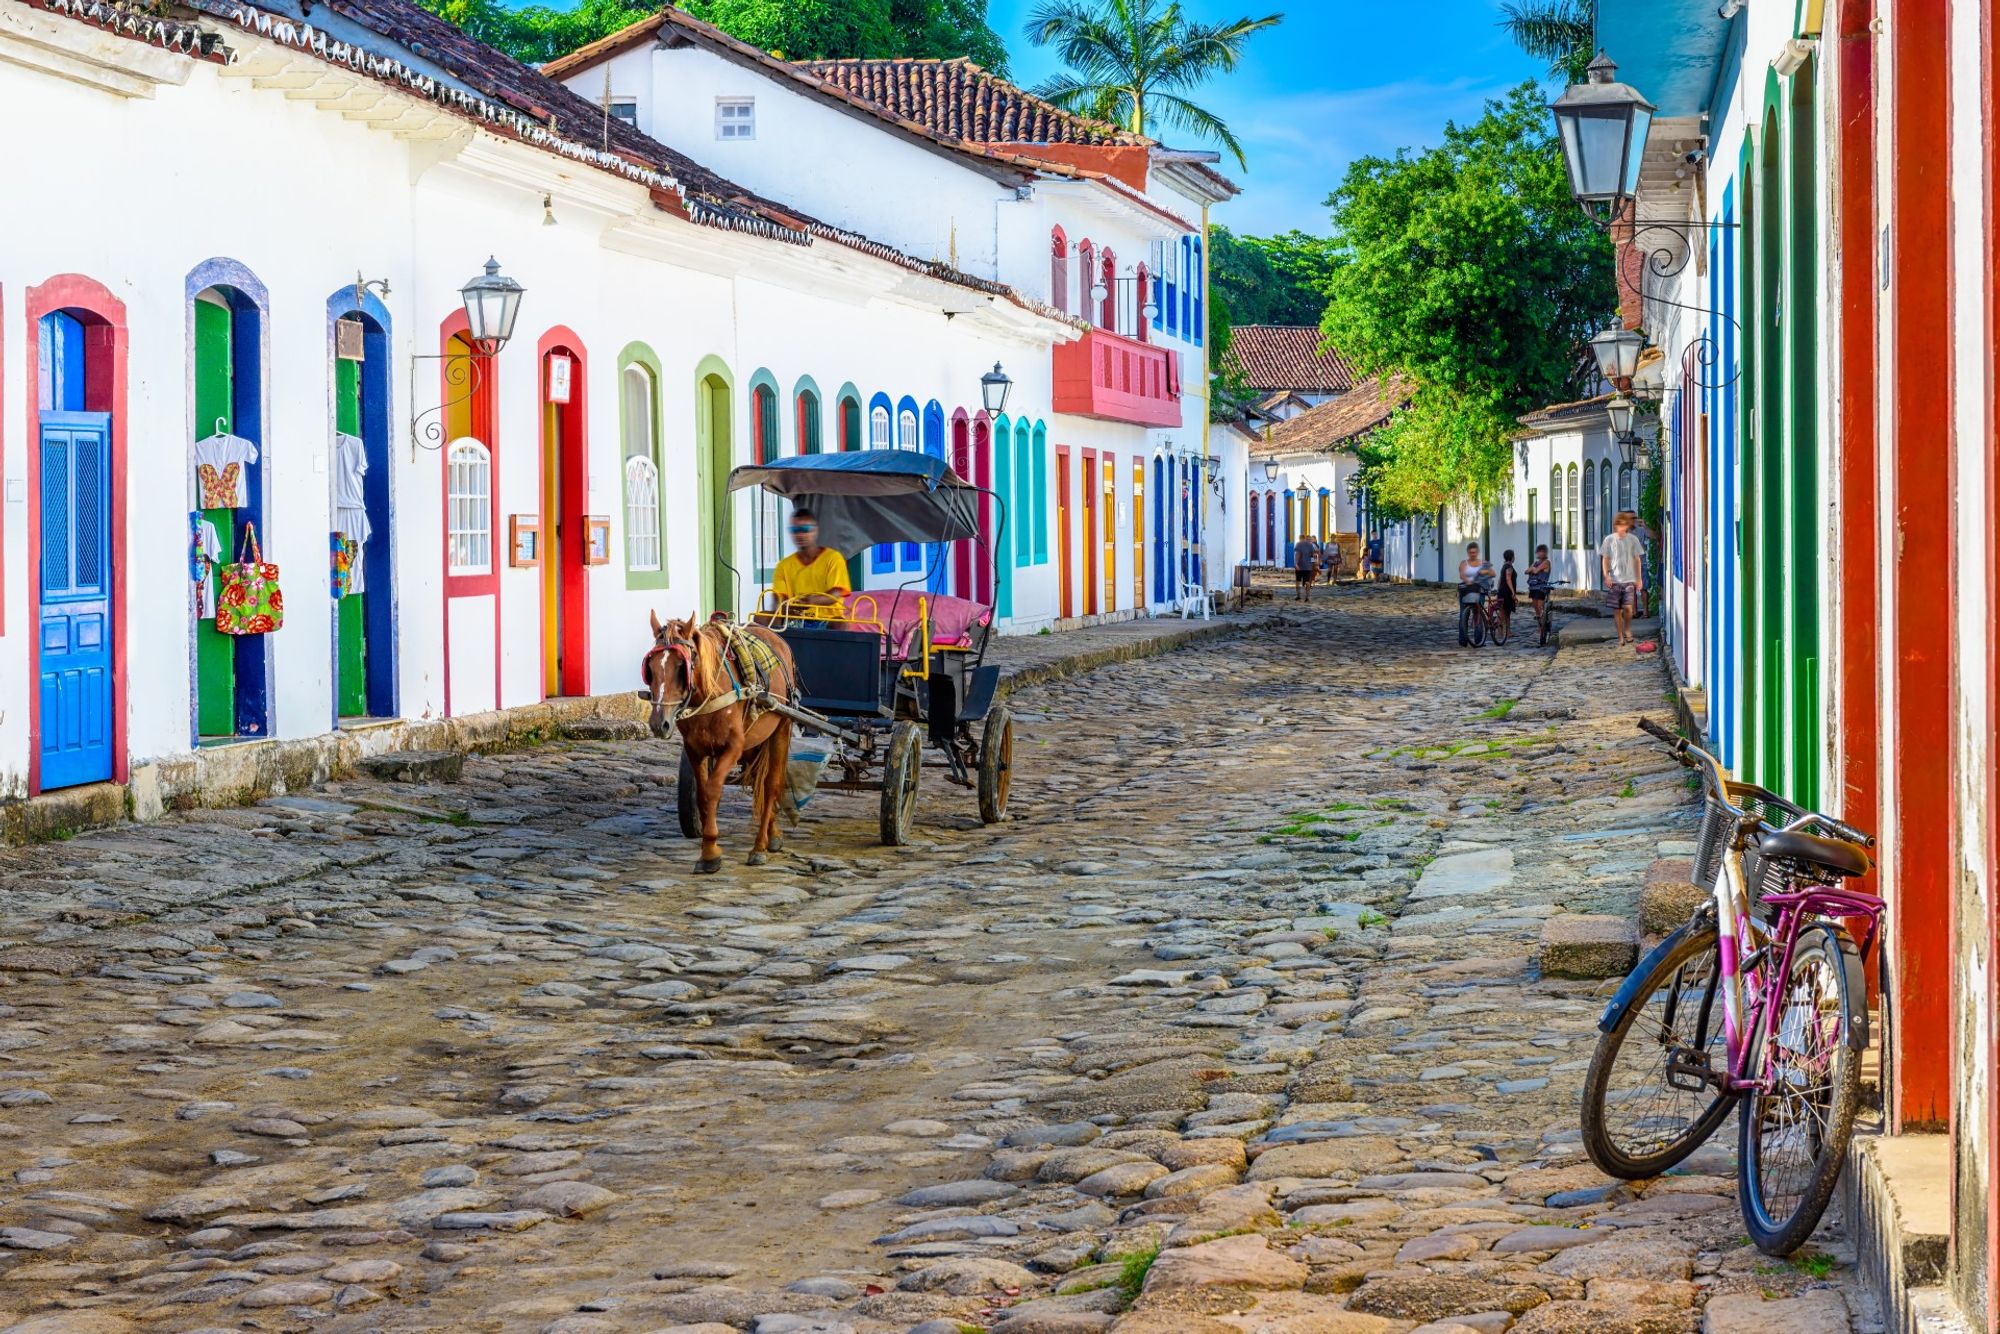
(959, 99)
(1288, 356)
(142, 26)
(1340, 422)
(1565, 414)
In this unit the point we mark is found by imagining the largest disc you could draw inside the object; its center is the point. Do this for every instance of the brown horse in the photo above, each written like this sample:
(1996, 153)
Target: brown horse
(692, 685)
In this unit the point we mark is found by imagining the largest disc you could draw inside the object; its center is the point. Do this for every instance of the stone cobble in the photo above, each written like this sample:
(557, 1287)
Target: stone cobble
(1235, 1025)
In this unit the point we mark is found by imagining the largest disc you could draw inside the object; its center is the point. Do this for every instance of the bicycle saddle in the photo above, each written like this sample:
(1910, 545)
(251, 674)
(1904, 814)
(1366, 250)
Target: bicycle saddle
(1829, 854)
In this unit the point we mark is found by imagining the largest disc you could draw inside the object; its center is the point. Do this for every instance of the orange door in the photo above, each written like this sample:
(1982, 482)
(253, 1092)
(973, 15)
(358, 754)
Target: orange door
(1138, 534)
(1110, 535)
(1089, 533)
(1062, 530)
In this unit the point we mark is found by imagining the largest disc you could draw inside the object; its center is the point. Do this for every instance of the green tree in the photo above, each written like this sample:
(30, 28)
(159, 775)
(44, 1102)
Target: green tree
(1468, 269)
(1268, 280)
(1133, 63)
(796, 29)
(1561, 32)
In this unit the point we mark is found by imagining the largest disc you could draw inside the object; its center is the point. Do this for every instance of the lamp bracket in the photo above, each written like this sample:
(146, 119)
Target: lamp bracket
(462, 378)
(1660, 258)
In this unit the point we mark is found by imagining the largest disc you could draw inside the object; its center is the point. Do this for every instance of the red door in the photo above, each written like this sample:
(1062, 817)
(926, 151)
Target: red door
(961, 463)
(565, 505)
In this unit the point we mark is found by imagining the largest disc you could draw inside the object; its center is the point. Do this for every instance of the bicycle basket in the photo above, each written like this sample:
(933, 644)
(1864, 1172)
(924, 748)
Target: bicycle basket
(1711, 844)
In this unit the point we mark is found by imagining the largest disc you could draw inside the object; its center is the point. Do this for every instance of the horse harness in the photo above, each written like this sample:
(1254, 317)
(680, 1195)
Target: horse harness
(749, 661)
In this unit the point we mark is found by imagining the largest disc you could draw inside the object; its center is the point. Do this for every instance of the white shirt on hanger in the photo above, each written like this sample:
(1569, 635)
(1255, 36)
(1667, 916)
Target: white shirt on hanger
(218, 468)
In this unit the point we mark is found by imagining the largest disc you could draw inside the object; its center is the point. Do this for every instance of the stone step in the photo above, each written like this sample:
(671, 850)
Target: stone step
(1587, 945)
(1668, 897)
(1896, 1195)
(416, 766)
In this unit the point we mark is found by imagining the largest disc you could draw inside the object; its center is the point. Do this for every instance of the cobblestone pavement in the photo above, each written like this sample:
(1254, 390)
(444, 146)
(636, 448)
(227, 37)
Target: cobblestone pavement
(1234, 1026)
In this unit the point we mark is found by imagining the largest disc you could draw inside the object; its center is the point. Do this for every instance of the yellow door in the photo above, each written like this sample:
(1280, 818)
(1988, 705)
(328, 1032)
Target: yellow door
(1110, 535)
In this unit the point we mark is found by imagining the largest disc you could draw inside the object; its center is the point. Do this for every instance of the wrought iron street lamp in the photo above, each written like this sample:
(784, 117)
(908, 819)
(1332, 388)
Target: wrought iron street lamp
(1620, 411)
(994, 386)
(492, 302)
(1603, 126)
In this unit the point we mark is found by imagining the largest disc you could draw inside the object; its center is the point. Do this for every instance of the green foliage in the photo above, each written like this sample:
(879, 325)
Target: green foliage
(1268, 280)
(1500, 709)
(796, 29)
(1133, 1269)
(1134, 62)
(1561, 32)
(1467, 268)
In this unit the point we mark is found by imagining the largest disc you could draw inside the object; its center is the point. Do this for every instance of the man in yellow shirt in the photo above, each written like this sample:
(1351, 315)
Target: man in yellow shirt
(813, 576)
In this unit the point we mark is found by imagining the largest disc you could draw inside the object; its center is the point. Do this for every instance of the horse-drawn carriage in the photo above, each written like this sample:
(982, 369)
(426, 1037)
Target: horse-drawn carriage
(884, 673)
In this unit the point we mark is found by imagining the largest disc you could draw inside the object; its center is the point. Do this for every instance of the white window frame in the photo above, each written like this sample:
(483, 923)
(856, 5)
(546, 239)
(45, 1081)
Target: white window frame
(878, 428)
(906, 431)
(642, 513)
(625, 109)
(737, 128)
(469, 508)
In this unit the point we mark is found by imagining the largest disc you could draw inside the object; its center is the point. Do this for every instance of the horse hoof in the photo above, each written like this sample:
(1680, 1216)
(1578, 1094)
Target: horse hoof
(708, 866)
(758, 859)
(776, 845)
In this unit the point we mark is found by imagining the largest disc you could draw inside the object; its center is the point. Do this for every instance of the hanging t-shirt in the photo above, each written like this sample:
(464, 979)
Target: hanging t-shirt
(350, 505)
(218, 470)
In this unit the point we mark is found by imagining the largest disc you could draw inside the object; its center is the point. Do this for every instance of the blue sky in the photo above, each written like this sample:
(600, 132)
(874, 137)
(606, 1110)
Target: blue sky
(1337, 80)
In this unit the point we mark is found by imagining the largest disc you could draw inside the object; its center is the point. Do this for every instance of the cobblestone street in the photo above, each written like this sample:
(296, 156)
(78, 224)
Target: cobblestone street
(1235, 1025)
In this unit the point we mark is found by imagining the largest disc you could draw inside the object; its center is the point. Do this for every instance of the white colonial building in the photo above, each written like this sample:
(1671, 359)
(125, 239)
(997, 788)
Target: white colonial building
(231, 302)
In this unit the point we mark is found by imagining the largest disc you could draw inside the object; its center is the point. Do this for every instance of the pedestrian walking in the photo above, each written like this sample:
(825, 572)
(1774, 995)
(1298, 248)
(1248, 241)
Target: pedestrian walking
(1510, 588)
(1375, 556)
(1623, 558)
(1305, 563)
(1329, 561)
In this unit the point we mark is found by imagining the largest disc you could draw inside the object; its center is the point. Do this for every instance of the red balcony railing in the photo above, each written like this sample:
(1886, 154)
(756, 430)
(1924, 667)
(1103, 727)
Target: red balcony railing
(1117, 379)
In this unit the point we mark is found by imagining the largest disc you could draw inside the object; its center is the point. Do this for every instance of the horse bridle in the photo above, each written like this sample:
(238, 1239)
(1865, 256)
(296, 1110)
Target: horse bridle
(665, 646)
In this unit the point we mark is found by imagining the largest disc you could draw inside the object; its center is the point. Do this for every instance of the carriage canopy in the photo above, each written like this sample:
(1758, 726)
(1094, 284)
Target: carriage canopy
(872, 496)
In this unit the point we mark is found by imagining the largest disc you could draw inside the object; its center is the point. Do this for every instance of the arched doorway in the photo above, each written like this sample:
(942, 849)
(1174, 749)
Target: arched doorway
(964, 554)
(364, 618)
(714, 399)
(565, 515)
(226, 473)
(76, 534)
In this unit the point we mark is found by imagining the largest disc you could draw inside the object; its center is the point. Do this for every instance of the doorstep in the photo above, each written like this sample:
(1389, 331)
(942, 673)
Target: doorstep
(1896, 1194)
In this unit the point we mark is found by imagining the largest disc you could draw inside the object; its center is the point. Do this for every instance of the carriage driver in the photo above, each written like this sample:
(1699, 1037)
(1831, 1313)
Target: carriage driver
(813, 576)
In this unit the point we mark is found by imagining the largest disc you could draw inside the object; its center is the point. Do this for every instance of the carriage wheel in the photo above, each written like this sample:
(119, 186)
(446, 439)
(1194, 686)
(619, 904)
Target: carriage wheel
(687, 799)
(899, 783)
(996, 765)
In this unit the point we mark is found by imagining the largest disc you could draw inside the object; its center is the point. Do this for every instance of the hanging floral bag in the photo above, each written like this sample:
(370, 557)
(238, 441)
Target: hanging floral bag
(250, 603)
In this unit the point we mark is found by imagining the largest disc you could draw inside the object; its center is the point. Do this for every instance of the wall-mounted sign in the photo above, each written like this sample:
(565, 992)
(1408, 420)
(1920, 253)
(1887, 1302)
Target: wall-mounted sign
(524, 541)
(597, 540)
(347, 338)
(559, 369)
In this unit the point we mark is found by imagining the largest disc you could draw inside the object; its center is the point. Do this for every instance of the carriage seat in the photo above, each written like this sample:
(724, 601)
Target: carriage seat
(954, 622)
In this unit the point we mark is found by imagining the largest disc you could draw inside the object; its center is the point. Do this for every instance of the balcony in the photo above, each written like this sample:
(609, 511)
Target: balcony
(1113, 378)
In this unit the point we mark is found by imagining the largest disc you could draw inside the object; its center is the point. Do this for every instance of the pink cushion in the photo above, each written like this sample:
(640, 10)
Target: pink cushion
(952, 620)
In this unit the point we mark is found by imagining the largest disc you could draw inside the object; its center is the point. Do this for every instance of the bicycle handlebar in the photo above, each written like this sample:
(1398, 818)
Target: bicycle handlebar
(1690, 754)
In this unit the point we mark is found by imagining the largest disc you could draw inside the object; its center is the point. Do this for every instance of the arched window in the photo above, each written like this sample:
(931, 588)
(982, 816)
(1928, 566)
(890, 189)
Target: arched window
(469, 505)
(906, 428)
(1575, 499)
(1170, 301)
(882, 556)
(808, 420)
(1604, 496)
(767, 446)
(639, 415)
(1028, 493)
(1086, 276)
(878, 428)
(764, 422)
(1187, 288)
(1590, 533)
(1555, 507)
(1143, 293)
(1041, 452)
(1059, 271)
(642, 513)
(1625, 486)
(1108, 311)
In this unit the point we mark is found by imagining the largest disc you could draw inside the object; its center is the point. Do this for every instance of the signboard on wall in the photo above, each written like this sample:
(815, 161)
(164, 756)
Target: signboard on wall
(559, 371)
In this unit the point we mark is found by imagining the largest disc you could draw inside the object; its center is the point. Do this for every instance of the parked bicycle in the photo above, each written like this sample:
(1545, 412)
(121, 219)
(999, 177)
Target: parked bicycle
(1480, 616)
(1759, 1000)
(1543, 623)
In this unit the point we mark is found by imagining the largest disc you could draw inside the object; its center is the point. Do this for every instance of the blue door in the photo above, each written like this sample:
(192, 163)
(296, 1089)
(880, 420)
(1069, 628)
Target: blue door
(75, 625)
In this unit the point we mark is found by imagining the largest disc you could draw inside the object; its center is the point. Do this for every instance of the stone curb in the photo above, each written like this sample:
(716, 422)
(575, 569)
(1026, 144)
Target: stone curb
(1668, 897)
(1588, 946)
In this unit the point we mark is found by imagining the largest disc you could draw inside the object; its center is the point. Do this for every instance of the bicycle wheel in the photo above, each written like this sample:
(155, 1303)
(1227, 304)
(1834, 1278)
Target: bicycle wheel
(1499, 629)
(1793, 1139)
(1645, 1103)
(1464, 627)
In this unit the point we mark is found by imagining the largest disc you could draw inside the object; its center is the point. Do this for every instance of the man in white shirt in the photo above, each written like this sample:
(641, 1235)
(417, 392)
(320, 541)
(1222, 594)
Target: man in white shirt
(1623, 557)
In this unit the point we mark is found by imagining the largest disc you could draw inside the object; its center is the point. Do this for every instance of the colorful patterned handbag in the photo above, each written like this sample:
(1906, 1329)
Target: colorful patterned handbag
(250, 603)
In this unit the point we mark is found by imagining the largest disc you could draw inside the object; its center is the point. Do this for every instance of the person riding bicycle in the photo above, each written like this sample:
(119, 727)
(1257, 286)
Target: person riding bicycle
(1474, 572)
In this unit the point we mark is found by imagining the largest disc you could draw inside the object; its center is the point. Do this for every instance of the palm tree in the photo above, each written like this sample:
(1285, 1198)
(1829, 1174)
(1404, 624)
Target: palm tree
(1562, 32)
(1132, 62)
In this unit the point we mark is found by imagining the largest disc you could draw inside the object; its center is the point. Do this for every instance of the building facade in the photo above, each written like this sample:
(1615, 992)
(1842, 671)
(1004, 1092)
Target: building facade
(289, 372)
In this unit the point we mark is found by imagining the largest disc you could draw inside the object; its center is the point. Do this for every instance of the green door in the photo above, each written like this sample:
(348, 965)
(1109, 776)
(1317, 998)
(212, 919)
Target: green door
(214, 410)
(351, 613)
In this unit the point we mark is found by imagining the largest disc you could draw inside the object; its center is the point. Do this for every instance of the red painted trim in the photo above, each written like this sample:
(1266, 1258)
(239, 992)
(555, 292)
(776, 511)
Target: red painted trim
(1065, 551)
(1087, 482)
(982, 459)
(3, 478)
(573, 479)
(485, 422)
(961, 463)
(1924, 825)
(1859, 626)
(1989, 41)
(105, 390)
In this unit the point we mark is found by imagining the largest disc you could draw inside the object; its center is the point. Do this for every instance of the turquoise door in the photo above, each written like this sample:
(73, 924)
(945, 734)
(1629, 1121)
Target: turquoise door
(74, 629)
